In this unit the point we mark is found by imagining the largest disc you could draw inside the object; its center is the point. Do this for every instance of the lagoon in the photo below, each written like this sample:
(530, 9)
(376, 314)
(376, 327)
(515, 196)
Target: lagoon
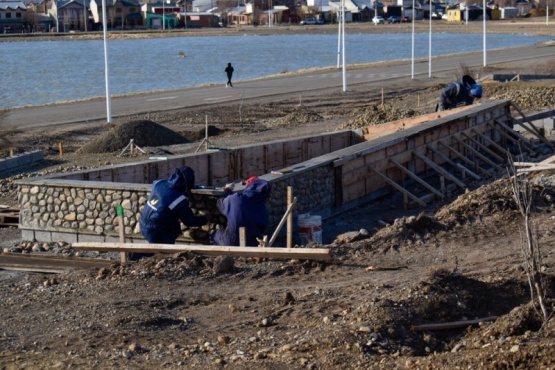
(46, 72)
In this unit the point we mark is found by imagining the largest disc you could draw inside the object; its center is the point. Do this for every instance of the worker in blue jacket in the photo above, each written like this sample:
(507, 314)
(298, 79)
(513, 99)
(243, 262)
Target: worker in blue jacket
(246, 210)
(167, 206)
(463, 91)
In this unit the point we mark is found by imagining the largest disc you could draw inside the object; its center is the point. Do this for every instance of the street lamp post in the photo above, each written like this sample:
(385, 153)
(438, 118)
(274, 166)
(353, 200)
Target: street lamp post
(85, 14)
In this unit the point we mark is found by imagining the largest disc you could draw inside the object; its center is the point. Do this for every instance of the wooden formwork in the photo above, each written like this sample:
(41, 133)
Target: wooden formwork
(432, 151)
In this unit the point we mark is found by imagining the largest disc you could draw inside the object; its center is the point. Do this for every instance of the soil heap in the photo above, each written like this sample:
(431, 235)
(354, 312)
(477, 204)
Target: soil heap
(144, 133)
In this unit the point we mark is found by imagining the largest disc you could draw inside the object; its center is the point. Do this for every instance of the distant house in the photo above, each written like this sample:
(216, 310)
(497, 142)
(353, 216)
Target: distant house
(120, 14)
(71, 15)
(12, 16)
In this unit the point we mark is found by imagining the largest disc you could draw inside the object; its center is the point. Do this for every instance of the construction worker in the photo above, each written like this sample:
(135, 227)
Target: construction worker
(167, 206)
(246, 210)
(464, 91)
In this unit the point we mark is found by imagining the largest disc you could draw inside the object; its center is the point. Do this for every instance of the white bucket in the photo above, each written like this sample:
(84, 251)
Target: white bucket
(310, 228)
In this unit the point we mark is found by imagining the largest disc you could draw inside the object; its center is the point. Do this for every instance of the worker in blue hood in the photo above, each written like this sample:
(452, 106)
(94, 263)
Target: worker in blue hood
(167, 206)
(246, 210)
(456, 93)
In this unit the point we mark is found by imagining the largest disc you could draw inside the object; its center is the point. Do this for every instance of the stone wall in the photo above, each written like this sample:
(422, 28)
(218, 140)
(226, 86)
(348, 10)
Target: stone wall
(73, 210)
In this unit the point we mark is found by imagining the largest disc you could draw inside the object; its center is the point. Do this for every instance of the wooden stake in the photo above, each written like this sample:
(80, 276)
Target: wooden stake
(289, 217)
(61, 149)
(382, 98)
(122, 255)
(289, 209)
(242, 237)
(11, 152)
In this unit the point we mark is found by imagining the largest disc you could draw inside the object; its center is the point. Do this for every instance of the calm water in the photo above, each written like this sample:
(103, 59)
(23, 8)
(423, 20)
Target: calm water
(42, 72)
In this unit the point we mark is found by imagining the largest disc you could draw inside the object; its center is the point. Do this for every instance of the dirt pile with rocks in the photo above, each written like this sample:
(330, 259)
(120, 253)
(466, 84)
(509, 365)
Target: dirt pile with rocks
(144, 133)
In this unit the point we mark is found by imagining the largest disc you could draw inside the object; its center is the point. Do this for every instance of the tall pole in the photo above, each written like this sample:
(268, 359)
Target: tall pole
(412, 52)
(339, 37)
(163, 15)
(85, 14)
(484, 16)
(343, 43)
(106, 72)
(430, 42)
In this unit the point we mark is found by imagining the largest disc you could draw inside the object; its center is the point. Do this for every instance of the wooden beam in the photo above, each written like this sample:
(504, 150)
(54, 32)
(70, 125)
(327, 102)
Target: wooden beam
(454, 164)
(493, 144)
(464, 158)
(483, 147)
(513, 132)
(415, 177)
(439, 169)
(289, 218)
(537, 168)
(515, 137)
(208, 250)
(477, 153)
(532, 129)
(399, 187)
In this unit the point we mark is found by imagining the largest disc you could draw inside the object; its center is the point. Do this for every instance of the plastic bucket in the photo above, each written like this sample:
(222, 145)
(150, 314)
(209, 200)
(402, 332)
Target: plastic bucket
(310, 228)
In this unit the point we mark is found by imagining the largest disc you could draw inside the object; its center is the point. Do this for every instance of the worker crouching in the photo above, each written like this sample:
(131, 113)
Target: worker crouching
(166, 207)
(246, 209)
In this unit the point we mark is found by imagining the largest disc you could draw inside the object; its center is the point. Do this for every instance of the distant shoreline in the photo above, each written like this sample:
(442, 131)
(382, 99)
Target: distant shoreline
(526, 26)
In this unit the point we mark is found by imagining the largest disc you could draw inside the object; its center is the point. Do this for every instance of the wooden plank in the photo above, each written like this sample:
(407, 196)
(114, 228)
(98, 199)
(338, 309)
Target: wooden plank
(418, 179)
(399, 187)
(477, 153)
(439, 169)
(548, 160)
(537, 168)
(454, 164)
(209, 250)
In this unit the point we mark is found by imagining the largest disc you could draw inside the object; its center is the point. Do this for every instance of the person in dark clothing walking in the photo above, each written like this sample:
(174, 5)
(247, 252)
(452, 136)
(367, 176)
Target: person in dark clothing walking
(464, 91)
(229, 71)
(246, 210)
(166, 207)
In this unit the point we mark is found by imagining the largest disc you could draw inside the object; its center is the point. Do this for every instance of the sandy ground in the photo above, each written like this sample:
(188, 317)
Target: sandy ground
(458, 260)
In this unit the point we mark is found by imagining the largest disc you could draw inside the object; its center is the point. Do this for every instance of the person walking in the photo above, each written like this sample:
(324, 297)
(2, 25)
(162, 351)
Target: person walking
(229, 71)
(463, 91)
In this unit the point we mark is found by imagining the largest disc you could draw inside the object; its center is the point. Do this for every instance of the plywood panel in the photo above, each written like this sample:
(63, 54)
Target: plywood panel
(252, 161)
(274, 156)
(293, 152)
(355, 175)
(354, 164)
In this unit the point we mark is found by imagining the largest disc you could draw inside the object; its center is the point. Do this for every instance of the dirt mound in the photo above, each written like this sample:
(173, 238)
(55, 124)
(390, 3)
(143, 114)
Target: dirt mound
(376, 114)
(295, 118)
(144, 133)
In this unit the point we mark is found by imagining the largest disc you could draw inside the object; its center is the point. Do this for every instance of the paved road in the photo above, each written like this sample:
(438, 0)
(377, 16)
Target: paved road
(265, 88)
